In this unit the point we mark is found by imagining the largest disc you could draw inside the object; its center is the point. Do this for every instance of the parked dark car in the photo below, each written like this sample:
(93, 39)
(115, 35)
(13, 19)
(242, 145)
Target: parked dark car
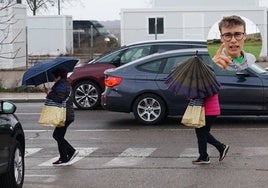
(12, 147)
(139, 87)
(88, 80)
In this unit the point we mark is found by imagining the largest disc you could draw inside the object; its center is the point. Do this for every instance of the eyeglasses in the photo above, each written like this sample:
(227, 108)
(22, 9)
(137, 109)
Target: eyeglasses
(228, 36)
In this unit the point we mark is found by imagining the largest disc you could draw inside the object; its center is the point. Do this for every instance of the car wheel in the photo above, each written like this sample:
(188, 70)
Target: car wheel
(15, 175)
(149, 109)
(87, 95)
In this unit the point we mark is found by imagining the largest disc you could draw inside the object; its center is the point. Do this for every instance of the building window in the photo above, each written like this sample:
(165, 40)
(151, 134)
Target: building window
(156, 25)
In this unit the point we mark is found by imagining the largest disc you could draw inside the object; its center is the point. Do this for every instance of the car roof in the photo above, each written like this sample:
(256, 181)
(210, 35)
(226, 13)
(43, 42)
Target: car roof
(199, 43)
(166, 54)
(182, 41)
(188, 50)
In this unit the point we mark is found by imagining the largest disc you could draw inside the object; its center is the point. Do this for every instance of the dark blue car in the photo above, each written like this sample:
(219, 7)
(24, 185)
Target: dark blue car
(12, 147)
(139, 87)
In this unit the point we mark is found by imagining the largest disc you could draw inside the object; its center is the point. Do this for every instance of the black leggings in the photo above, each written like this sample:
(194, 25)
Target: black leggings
(204, 137)
(65, 149)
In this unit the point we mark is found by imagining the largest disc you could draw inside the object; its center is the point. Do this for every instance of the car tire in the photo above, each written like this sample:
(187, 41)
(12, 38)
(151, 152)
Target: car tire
(87, 95)
(15, 174)
(149, 109)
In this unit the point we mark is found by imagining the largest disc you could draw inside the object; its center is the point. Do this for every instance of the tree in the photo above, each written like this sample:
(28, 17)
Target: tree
(34, 5)
(6, 22)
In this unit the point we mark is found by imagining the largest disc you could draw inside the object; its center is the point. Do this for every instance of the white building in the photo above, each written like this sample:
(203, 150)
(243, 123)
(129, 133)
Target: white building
(12, 36)
(187, 19)
(50, 35)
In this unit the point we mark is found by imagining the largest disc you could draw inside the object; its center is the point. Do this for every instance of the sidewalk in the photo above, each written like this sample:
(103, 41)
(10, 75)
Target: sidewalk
(22, 97)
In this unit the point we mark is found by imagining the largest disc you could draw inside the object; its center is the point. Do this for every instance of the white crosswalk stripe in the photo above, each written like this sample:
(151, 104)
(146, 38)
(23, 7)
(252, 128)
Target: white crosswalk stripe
(31, 151)
(193, 152)
(134, 156)
(254, 151)
(131, 156)
(83, 152)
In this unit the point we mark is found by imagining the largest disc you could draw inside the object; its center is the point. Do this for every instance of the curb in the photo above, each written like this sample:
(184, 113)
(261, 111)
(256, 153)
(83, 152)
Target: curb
(22, 97)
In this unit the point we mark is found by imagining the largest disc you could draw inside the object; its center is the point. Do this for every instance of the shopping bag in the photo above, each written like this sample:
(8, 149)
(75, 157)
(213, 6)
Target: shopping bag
(53, 114)
(194, 115)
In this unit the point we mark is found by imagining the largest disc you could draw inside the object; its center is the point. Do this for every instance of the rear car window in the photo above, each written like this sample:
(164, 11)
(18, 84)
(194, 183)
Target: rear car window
(153, 66)
(171, 63)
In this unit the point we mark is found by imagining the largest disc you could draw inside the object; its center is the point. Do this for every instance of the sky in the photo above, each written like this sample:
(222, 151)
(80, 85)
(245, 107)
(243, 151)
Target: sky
(101, 10)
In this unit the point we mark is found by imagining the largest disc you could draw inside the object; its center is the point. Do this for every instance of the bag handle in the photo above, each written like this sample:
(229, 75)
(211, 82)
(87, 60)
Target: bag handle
(68, 96)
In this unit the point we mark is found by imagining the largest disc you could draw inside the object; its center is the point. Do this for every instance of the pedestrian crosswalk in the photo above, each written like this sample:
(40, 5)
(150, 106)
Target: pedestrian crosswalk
(134, 156)
(83, 152)
(131, 156)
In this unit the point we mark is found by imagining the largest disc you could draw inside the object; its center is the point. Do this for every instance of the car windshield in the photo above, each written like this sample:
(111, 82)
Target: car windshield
(258, 69)
(106, 57)
(102, 30)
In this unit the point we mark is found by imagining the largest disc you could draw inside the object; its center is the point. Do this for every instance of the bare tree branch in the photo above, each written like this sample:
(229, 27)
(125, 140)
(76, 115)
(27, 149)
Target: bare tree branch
(6, 21)
(36, 5)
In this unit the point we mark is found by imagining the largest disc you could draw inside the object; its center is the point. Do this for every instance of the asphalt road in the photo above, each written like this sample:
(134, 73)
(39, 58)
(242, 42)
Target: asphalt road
(116, 152)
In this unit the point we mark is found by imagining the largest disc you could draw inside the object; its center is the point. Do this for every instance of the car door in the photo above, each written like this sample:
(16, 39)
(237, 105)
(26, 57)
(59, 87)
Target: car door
(175, 103)
(239, 95)
(5, 140)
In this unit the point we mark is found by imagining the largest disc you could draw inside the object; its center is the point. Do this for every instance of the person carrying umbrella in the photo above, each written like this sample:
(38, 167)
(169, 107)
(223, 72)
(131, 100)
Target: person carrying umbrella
(197, 81)
(212, 110)
(60, 91)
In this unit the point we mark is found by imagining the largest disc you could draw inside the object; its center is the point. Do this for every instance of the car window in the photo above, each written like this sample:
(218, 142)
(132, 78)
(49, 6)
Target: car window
(153, 66)
(172, 62)
(258, 68)
(218, 71)
(109, 57)
(167, 47)
(135, 53)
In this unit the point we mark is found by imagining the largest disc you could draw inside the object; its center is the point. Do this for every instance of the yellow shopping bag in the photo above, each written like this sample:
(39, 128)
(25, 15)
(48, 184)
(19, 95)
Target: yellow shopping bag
(53, 114)
(194, 116)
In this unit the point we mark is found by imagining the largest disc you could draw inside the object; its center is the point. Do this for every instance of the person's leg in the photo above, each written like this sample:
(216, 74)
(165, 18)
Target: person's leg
(210, 138)
(69, 148)
(222, 148)
(58, 135)
(201, 134)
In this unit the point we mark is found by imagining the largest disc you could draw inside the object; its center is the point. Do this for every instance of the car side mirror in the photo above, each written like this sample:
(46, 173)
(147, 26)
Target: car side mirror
(117, 61)
(7, 107)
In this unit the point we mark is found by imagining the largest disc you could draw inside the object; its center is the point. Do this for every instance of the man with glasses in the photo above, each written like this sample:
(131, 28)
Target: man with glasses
(230, 55)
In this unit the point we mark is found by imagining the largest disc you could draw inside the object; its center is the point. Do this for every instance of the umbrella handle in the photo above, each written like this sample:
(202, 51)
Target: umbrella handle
(46, 76)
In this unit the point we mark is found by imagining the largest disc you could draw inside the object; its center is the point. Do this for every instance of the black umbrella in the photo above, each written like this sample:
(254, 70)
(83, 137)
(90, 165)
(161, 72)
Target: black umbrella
(193, 78)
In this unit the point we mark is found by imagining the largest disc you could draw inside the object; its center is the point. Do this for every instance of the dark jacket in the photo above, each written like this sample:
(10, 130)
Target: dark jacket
(59, 92)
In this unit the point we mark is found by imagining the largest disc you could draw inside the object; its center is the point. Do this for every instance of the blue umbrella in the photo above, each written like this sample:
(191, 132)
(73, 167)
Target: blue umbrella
(42, 72)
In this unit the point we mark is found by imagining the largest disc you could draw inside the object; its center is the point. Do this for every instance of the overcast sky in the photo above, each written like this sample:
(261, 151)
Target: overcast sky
(101, 10)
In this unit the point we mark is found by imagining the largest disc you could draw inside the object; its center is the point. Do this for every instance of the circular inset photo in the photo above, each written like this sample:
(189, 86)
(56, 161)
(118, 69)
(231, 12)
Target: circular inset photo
(234, 43)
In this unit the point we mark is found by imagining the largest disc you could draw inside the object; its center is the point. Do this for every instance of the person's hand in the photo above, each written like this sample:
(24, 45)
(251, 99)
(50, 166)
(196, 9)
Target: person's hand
(220, 59)
(46, 90)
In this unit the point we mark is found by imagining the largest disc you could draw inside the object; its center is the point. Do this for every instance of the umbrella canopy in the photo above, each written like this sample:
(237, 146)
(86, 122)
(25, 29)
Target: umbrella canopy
(193, 78)
(42, 72)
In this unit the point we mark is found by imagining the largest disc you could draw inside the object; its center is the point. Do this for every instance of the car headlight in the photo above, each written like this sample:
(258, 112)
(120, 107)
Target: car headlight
(107, 39)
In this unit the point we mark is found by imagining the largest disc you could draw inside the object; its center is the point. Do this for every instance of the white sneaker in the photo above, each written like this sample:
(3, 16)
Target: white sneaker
(73, 156)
